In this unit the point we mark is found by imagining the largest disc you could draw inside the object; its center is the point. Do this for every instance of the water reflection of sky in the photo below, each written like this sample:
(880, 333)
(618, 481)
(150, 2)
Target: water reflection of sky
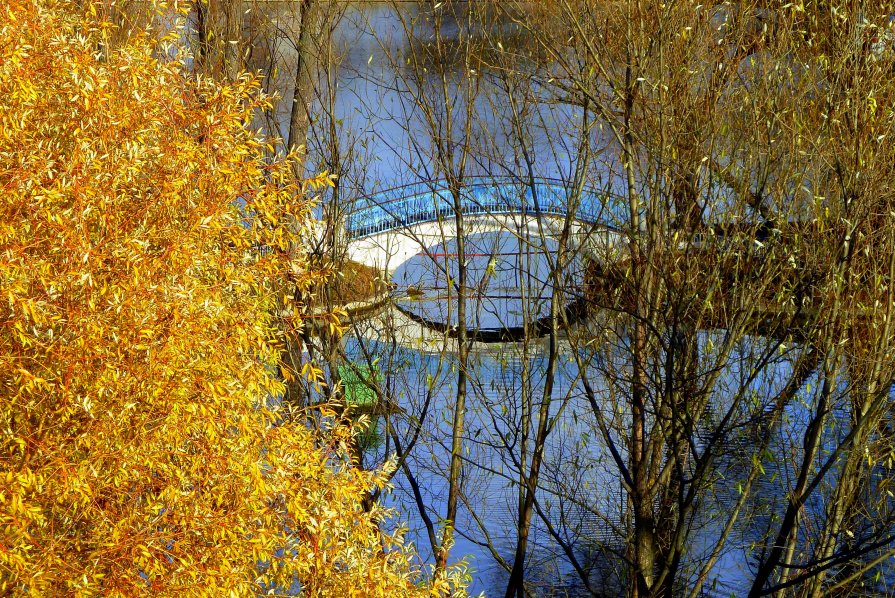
(498, 379)
(580, 490)
(508, 280)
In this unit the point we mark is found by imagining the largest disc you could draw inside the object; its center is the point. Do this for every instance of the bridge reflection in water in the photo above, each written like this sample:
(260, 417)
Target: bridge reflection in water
(509, 285)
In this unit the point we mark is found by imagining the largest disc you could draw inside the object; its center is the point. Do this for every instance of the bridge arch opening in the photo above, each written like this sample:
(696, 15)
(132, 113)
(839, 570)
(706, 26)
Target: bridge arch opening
(510, 285)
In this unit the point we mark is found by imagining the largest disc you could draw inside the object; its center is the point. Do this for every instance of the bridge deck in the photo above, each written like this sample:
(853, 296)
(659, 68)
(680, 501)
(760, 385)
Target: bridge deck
(397, 208)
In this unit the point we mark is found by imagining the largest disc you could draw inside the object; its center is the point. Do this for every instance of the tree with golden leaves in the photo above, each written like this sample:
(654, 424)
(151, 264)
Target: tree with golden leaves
(142, 448)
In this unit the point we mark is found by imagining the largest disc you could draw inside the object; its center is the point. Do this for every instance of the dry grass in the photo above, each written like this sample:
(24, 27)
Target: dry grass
(349, 282)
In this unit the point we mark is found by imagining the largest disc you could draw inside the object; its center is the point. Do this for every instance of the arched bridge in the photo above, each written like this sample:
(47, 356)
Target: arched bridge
(397, 208)
(387, 228)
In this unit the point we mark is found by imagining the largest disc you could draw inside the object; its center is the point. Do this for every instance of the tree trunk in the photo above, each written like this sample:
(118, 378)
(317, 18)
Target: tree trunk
(201, 7)
(306, 67)
(233, 11)
(459, 421)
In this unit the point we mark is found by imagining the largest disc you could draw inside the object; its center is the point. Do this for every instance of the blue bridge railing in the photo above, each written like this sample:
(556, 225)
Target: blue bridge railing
(397, 208)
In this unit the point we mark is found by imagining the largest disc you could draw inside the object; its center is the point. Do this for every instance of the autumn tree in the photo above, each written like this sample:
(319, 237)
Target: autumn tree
(748, 149)
(143, 446)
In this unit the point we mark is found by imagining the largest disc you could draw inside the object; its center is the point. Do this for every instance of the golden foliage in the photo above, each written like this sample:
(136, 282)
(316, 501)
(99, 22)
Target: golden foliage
(140, 449)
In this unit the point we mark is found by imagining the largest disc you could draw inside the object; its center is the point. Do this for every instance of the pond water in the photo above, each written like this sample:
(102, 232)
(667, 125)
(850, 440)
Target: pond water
(500, 376)
(374, 105)
(580, 491)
